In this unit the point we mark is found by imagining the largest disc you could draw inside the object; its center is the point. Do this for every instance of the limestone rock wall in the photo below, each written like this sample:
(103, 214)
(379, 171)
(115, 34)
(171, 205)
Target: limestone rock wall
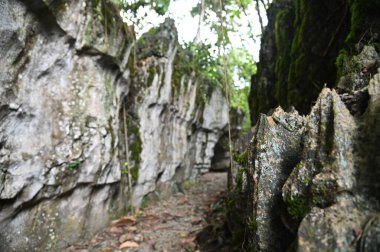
(61, 87)
(305, 47)
(68, 68)
(308, 183)
(177, 127)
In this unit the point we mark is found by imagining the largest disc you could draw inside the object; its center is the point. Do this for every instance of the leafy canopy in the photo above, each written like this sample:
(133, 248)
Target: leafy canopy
(209, 58)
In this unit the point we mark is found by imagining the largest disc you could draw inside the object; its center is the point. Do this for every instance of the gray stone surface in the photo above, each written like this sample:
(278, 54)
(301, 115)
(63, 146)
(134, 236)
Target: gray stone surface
(357, 71)
(327, 164)
(59, 177)
(178, 135)
(274, 151)
(330, 196)
(64, 79)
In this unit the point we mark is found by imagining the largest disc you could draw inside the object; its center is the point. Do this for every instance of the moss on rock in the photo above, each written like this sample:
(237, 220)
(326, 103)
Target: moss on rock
(298, 206)
(135, 149)
(298, 59)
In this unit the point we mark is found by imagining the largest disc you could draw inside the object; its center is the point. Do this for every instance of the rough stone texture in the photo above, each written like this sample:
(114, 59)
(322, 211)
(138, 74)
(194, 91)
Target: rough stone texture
(178, 130)
(60, 96)
(301, 53)
(262, 96)
(332, 194)
(357, 71)
(67, 70)
(330, 200)
(274, 151)
(336, 228)
(327, 165)
(221, 159)
(368, 143)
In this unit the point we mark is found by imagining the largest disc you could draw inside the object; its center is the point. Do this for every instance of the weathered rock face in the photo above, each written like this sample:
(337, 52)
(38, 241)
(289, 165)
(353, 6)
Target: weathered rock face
(274, 41)
(299, 54)
(326, 195)
(67, 70)
(340, 197)
(274, 152)
(61, 87)
(177, 128)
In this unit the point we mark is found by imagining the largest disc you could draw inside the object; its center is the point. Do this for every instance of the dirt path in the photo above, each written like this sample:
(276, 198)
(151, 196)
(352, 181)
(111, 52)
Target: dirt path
(167, 226)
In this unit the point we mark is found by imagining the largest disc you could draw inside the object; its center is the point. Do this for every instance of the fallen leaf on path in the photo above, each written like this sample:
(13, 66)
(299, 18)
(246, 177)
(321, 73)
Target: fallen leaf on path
(152, 218)
(108, 249)
(183, 201)
(115, 230)
(94, 241)
(126, 237)
(196, 221)
(132, 229)
(178, 215)
(189, 242)
(161, 227)
(125, 221)
(128, 244)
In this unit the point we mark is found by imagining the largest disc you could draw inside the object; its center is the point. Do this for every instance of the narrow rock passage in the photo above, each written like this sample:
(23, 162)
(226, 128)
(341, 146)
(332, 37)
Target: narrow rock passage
(168, 226)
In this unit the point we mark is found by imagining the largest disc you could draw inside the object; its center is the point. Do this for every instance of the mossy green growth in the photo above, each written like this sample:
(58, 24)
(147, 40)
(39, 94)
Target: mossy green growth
(153, 70)
(298, 206)
(239, 181)
(135, 148)
(196, 60)
(187, 184)
(324, 193)
(242, 158)
(341, 63)
(251, 226)
(74, 165)
(112, 133)
(283, 29)
(109, 94)
(105, 30)
(364, 30)
(145, 202)
(314, 49)
(364, 21)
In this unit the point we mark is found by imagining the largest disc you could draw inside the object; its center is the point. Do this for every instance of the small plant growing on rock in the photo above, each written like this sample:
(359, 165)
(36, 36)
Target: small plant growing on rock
(124, 171)
(297, 206)
(74, 165)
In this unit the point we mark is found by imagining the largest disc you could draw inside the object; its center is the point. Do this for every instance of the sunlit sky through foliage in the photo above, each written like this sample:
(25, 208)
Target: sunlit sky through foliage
(246, 33)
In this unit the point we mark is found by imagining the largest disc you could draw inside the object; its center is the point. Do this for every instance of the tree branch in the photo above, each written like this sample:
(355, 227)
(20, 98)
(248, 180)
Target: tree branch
(201, 17)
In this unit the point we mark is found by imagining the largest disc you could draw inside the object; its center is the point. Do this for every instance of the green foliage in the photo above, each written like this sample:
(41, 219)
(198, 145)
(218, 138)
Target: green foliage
(298, 206)
(239, 99)
(74, 165)
(204, 64)
(124, 171)
(341, 63)
(242, 158)
(145, 202)
(239, 178)
(252, 226)
(159, 6)
(197, 59)
(204, 60)
(187, 184)
(240, 63)
(364, 21)
(208, 69)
